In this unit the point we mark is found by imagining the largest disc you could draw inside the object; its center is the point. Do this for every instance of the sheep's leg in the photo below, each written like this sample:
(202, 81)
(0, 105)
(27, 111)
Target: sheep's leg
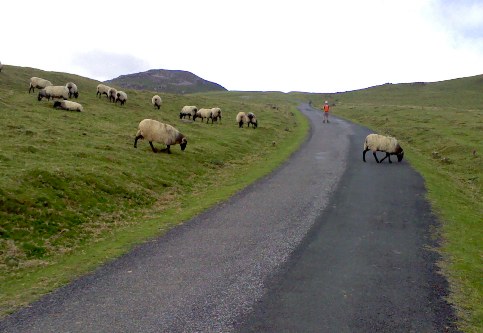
(375, 156)
(136, 140)
(167, 149)
(387, 156)
(152, 147)
(364, 154)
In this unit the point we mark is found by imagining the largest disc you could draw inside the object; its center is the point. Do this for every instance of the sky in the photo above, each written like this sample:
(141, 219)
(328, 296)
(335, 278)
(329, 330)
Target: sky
(251, 45)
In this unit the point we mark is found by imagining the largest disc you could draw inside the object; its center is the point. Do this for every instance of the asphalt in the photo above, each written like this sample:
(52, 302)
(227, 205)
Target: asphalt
(325, 243)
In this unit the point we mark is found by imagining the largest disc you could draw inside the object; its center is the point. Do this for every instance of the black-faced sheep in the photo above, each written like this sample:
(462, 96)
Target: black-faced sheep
(102, 89)
(73, 91)
(241, 118)
(53, 92)
(112, 94)
(216, 114)
(252, 120)
(121, 97)
(387, 144)
(204, 113)
(68, 105)
(153, 130)
(39, 83)
(188, 110)
(156, 101)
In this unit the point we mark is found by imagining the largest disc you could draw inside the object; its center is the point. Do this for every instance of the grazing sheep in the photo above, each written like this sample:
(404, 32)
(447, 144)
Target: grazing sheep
(252, 120)
(156, 101)
(112, 94)
(188, 110)
(102, 89)
(121, 97)
(153, 130)
(68, 105)
(387, 144)
(53, 92)
(216, 114)
(72, 89)
(241, 118)
(204, 113)
(39, 83)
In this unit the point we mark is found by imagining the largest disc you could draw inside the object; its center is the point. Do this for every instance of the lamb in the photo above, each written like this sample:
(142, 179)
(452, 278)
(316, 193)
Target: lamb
(156, 101)
(72, 89)
(112, 94)
(39, 83)
(102, 89)
(153, 130)
(252, 120)
(216, 114)
(188, 110)
(68, 105)
(53, 92)
(204, 113)
(241, 118)
(387, 144)
(121, 97)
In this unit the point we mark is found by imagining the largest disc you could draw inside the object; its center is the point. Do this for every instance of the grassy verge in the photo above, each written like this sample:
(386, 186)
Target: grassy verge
(442, 140)
(75, 193)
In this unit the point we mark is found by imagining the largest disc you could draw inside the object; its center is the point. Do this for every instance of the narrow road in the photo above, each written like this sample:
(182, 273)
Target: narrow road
(326, 243)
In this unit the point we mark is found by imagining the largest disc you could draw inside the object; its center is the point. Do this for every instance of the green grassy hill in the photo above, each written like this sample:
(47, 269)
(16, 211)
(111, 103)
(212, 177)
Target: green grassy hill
(75, 192)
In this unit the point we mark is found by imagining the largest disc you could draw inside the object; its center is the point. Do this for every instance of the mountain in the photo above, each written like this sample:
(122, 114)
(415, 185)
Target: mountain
(163, 80)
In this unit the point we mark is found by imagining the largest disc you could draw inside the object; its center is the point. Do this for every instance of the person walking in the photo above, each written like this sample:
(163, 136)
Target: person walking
(326, 112)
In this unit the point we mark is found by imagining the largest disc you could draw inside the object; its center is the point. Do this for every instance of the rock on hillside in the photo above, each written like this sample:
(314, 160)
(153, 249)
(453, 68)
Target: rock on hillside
(169, 81)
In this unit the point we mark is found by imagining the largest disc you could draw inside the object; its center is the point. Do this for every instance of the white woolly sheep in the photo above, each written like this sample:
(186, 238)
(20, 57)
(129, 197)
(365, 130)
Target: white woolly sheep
(39, 83)
(121, 97)
(68, 105)
(188, 110)
(153, 130)
(73, 91)
(53, 92)
(252, 120)
(112, 94)
(216, 114)
(204, 113)
(387, 144)
(156, 101)
(102, 89)
(241, 118)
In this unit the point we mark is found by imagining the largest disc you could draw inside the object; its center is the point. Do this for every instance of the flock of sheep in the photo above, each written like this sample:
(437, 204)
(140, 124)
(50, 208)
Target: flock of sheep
(149, 129)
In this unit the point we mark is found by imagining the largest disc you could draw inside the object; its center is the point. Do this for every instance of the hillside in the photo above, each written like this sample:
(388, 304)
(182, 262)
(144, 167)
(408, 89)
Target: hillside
(167, 81)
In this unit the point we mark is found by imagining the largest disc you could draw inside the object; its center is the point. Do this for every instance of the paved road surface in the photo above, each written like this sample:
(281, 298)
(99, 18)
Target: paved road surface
(326, 243)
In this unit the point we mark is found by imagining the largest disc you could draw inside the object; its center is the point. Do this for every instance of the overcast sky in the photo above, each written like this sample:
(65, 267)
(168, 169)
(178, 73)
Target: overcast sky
(260, 45)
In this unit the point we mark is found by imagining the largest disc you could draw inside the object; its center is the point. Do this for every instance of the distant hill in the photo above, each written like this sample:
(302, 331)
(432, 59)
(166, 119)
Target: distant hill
(168, 81)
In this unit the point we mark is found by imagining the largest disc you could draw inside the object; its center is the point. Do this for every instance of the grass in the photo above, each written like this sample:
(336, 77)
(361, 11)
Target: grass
(75, 193)
(440, 127)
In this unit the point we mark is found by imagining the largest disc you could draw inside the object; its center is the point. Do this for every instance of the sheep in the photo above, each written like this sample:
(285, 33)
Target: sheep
(156, 101)
(241, 118)
(112, 94)
(204, 113)
(387, 144)
(102, 89)
(53, 92)
(188, 110)
(68, 105)
(252, 120)
(121, 97)
(73, 91)
(153, 130)
(39, 83)
(216, 114)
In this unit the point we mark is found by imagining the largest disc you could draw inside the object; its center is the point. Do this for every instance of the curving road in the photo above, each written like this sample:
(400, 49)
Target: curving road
(326, 243)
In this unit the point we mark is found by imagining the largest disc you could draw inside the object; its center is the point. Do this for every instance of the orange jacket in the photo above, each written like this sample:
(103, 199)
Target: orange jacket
(326, 107)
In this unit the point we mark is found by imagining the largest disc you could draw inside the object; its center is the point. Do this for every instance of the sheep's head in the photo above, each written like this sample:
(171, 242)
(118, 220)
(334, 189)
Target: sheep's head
(400, 156)
(76, 94)
(183, 143)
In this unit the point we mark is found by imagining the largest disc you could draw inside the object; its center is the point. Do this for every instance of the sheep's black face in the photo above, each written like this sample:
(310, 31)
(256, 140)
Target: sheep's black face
(76, 94)
(183, 144)
(400, 156)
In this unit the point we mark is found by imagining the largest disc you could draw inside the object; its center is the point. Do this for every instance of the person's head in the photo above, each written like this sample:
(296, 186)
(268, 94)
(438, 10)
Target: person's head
(326, 102)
